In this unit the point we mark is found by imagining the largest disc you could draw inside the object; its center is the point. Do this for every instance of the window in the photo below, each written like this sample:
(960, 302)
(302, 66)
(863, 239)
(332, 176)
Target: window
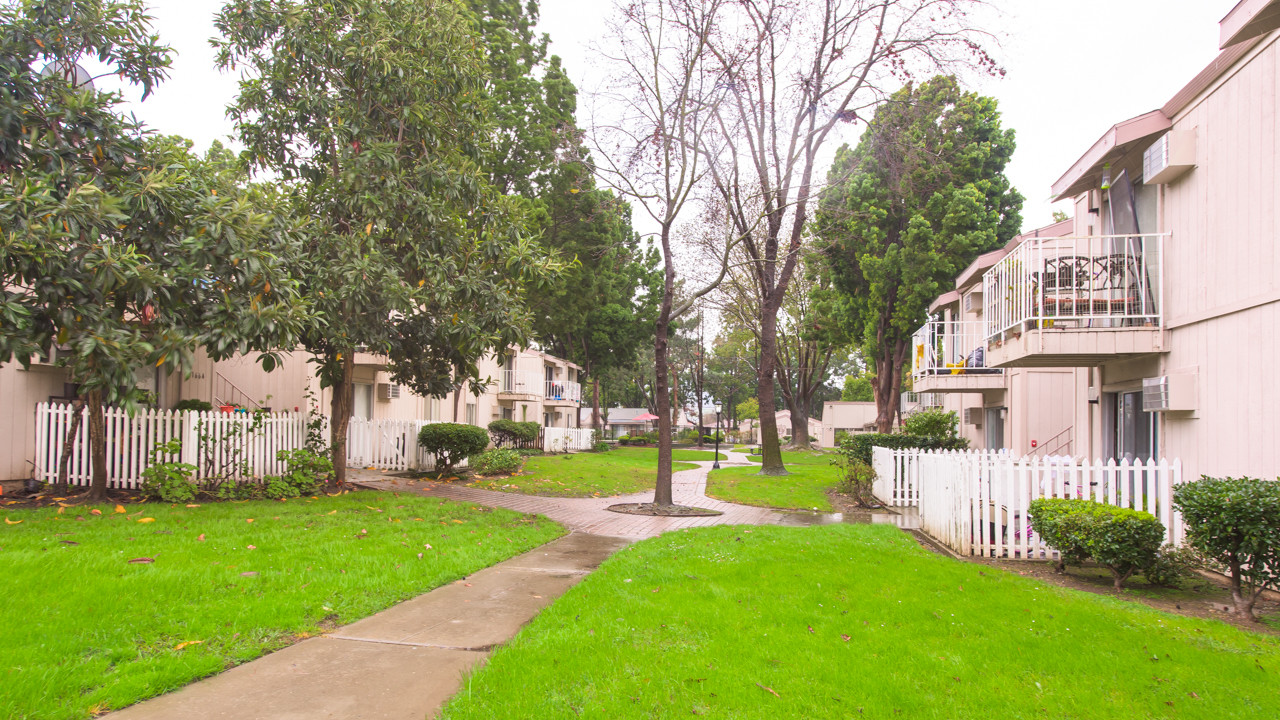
(471, 413)
(362, 405)
(508, 414)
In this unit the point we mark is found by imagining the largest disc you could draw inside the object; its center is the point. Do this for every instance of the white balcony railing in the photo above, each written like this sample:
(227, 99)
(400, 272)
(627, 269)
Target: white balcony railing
(564, 390)
(522, 382)
(1104, 281)
(950, 348)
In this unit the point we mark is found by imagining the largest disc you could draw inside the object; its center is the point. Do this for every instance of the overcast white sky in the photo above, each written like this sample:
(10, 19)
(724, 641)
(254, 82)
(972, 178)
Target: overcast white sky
(1074, 69)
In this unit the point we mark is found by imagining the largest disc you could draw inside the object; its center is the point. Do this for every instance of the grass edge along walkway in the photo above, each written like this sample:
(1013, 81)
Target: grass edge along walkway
(621, 471)
(106, 610)
(805, 488)
(856, 621)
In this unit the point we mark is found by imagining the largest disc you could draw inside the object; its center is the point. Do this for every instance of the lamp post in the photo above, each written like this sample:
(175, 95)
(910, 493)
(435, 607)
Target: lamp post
(716, 465)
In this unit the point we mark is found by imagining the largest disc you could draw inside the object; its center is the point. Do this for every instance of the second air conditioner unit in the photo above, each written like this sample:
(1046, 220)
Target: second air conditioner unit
(388, 391)
(973, 416)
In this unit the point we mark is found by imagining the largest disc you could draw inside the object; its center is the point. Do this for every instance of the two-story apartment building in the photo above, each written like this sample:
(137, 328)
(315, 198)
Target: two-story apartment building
(525, 384)
(1159, 300)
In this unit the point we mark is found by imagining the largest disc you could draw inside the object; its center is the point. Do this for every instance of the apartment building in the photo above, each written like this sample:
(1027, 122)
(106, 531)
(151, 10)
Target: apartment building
(1158, 303)
(525, 384)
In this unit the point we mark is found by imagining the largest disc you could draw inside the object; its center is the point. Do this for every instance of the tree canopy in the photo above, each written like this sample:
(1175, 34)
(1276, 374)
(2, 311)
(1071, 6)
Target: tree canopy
(919, 198)
(376, 110)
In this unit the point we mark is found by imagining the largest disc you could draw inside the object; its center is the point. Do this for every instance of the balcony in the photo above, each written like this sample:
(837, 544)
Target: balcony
(562, 392)
(951, 357)
(531, 385)
(1075, 301)
(521, 385)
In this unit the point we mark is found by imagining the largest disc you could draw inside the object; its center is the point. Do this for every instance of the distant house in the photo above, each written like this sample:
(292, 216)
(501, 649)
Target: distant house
(750, 429)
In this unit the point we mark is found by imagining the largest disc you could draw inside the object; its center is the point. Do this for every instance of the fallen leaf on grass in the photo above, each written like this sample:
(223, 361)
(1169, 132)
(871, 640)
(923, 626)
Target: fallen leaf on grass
(250, 547)
(201, 538)
(192, 505)
(332, 512)
(142, 561)
(95, 511)
(248, 519)
(120, 508)
(771, 690)
(188, 643)
(7, 521)
(69, 542)
(146, 520)
(844, 638)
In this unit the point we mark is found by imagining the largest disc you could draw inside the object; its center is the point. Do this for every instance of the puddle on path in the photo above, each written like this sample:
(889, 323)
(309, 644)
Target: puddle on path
(907, 518)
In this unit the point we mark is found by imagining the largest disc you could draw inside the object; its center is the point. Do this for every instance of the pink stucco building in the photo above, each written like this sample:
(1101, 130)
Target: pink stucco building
(1143, 326)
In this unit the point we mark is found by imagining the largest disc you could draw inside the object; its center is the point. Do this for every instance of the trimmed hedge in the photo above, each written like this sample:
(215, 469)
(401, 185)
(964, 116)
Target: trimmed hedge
(193, 404)
(451, 442)
(510, 432)
(1122, 540)
(1236, 521)
(860, 445)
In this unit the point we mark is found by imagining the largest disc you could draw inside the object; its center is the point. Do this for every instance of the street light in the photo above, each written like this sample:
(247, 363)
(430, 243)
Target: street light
(716, 466)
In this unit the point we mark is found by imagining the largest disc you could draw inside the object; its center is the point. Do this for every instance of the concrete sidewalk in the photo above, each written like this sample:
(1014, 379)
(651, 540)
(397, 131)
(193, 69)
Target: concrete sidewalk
(400, 664)
(405, 662)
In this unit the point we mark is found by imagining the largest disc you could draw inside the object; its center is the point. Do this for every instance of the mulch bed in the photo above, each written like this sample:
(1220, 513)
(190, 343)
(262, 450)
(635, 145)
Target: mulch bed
(662, 510)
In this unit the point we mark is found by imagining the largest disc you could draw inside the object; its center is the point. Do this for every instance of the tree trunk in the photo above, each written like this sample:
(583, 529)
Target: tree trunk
(1243, 601)
(888, 384)
(340, 417)
(77, 411)
(770, 447)
(595, 406)
(799, 427)
(97, 449)
(698, 422)
(662, 488)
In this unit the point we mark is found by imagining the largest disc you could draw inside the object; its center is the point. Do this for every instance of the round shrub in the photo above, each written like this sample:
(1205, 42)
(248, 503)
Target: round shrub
(501, 461)
(1171, 566)
(450, 443)
(624, 440)
(1122, 540)
(600, 447)
(1236, 522)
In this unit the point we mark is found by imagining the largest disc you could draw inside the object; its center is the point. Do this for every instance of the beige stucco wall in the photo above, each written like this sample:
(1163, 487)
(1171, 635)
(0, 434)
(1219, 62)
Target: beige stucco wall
(844, 415)
(20, 391)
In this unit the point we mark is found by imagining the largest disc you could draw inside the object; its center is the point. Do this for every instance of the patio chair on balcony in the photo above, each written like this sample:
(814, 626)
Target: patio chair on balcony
(1064, 285)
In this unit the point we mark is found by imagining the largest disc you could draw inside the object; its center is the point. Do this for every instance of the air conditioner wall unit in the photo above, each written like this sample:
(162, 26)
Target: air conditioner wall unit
(973, 416)
(1173, 154)
(388, 391)
(973, 301)
(1169, 393)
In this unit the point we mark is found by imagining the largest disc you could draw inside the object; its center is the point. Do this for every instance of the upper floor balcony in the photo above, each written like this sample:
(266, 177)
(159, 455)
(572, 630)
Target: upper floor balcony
(951, 357)
(530, 384)
(1075, 301)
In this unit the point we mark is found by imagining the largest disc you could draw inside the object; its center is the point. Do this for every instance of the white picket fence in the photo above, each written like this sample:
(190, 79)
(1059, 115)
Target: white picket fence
(563, 439)
(235, 445)
(216, 443)
(388, 445)
(977, 502)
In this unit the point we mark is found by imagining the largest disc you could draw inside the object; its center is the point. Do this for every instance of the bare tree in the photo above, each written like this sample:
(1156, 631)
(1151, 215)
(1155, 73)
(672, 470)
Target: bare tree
(662, 99)
(793, 71)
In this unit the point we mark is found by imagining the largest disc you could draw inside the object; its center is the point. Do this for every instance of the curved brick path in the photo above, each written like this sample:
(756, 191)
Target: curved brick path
(688, 487)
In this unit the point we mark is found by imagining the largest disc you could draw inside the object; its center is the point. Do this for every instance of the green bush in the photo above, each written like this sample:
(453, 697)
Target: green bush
(1122, 540)
(856, 479)
(510, 432)
(624, 440)
(1047, 516)
(600, 447)
(168, 481)
(193, 404)
(529, 452)
(933, 423)
(1171, 566)
(861, 444)
(501, 461)
(688, 435)
(450, 443)
(1236, 522)
(306, 470)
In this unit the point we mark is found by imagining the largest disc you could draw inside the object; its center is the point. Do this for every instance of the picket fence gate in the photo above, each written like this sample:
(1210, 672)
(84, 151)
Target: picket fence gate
(977, 502)
(387, 445)
(556, 439)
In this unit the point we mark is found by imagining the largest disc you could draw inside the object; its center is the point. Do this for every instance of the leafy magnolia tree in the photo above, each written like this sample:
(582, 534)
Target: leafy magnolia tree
(857, 388)
(125, 250)
(375, 111)
(919, 198)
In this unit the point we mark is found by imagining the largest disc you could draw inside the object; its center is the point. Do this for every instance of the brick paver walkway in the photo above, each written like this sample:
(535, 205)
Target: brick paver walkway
(688, 487)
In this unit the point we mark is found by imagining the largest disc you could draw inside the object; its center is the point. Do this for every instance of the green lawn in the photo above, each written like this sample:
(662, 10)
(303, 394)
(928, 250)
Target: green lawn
(812, 474)
(88, 626)
(801, 457)
(853, 621)
(619, 471)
